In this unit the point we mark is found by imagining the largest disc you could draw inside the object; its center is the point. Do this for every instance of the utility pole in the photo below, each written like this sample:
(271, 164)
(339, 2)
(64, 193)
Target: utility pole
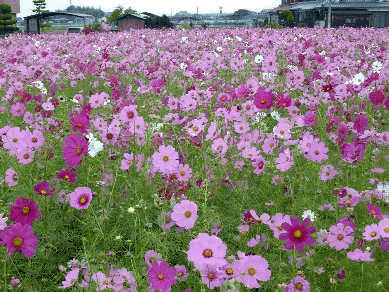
(329, 15)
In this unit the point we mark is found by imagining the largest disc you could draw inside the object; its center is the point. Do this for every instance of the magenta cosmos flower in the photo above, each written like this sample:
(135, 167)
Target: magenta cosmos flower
(43, 189)
(75, 148)
(81, 198)
(166, 160)
(67, 175)
(185, 214)
(24, 211)
(161, 276)
(297, 235)
(19, 238)
(207, 250)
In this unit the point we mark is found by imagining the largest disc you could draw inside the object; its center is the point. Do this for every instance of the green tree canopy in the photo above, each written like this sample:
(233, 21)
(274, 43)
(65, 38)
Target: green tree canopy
(7, 25)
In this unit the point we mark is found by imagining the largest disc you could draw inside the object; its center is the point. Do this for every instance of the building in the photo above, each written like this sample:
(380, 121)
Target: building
(130, 21)
(349, 13)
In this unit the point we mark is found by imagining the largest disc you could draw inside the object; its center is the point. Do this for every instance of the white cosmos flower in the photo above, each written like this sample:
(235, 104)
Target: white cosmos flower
(37, 43)
(275, 115)
(376, 66)
(358, 79)
(183, 66)
(309, 214)
(258, 59)
(95, 146)
(219, 49)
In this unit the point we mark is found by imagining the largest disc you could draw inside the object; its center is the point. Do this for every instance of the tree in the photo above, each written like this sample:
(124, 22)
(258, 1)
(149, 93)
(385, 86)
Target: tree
(40, 5)
(6, 23)
(158, 22)
(118, 12)
(288, 15)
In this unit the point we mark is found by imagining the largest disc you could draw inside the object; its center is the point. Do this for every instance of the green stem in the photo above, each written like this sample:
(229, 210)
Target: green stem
(4, 274)
(45, 218)
(362, 278)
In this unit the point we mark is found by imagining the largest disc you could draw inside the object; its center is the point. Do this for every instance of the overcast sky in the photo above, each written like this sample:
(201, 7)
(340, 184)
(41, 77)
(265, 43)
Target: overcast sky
(157, 7)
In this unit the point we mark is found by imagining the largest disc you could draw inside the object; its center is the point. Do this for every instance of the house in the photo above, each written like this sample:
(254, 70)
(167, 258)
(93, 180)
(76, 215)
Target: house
(130, 21)
(355, 13)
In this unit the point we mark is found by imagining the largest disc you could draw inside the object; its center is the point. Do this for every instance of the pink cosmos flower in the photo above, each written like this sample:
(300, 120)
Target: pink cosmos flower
(212, 276)
(383, 227)
(241, 127)
(74, 149)
(2, 221)
(224, 97)
(360, 256)
(161, 276)
(318, 151)
(103, 280)
(297, 235)
(207, 250)
(374, 210)
(310, 119)
(25, 156)
(269, 145)
(276, 222)
(122, 279)
(242, 91)
(185, 214)
(47, 106)
(283, 131)
(259, 163)
(128, 114)
(378, 170)
(219, 146)
(11, 177)
(298, 284)
(196, 128)
(252, 269)
(34, 140)
(70, 278)
(127, 161)
(19, 238)
(372, 232)
(284, 161)
(166, 160)
(96, 100)
(339, 237)
(183, 172)
(328, 172)
(80, 198)
(17, 109)
(25, 211)
(14, 140)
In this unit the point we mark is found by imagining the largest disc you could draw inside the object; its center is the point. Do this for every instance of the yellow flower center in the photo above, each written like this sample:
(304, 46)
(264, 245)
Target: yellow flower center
(105, 282)
(161, 276)
(229, 271)
(207, 253)
(282, 132)
(386, 230)
(26, 156)
(195, 128)
(66, 177)
(251, 271)
(26, 210)
(182, 172)
(299, 286)
(83, 200)
(211, 276)
(43, 192)
(340, 236)
(373, 234)
(17, 241)
(78, 150)
(15, 140)
(165, 158)
(187, 214)
(297, 234)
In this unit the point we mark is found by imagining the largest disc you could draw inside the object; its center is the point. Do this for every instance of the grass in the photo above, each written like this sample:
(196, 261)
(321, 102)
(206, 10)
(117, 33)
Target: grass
(90, 234)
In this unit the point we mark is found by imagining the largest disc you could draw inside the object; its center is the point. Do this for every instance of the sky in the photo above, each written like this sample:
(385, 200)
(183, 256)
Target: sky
(157, 7)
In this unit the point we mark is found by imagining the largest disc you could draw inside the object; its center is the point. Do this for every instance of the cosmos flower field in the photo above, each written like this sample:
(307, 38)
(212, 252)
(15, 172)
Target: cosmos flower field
(244, 159)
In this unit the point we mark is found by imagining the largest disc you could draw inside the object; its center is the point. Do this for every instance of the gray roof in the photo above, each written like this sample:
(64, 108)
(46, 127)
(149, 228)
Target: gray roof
(306, 6)
(356, 5)
(130, 15)
(42, 15)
